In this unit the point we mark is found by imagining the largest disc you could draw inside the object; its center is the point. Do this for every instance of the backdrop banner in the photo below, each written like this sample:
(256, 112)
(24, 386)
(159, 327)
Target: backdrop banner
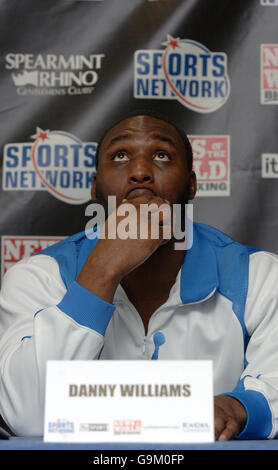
(71, 68)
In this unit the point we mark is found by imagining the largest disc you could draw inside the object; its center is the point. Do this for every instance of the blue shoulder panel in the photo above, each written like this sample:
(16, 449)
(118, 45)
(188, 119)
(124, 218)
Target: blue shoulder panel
(70, 255)
(217, 261)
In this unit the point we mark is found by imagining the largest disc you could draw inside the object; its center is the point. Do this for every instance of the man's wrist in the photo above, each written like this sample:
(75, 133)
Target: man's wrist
(233, 408)
(99, 279)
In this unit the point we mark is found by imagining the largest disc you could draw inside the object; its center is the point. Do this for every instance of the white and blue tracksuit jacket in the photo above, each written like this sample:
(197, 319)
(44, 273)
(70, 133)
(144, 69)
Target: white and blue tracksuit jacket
(223, 306)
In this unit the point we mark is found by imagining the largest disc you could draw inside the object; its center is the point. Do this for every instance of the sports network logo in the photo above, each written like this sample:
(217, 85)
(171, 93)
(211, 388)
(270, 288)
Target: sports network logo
(57, 162)
(186, 71)
(61, 426)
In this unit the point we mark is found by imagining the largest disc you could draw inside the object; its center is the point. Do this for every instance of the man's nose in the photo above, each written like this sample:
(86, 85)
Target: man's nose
(140, 171)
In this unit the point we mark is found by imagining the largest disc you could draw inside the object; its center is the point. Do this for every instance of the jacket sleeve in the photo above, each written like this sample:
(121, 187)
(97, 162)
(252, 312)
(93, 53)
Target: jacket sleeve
(41, 320)
(257, 389)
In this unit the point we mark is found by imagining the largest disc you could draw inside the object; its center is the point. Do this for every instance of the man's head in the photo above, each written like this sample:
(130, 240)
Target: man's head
(144, 153)
(156, 115)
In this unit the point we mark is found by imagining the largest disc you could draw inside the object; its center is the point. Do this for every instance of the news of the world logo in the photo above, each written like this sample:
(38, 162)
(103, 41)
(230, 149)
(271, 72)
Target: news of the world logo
(269, 73)
(15, 247)
(54, 74)
(57, 162)
(211, 161)
(186, 71)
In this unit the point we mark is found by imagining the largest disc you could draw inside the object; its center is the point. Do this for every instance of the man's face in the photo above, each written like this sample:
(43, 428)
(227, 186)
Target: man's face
(143, 155)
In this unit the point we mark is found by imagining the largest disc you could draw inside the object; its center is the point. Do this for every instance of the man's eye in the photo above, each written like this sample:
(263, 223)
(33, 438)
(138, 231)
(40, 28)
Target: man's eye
(120, 157)
(161, 156)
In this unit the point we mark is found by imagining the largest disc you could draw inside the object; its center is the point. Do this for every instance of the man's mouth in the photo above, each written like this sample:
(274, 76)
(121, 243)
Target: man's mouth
(139, 191)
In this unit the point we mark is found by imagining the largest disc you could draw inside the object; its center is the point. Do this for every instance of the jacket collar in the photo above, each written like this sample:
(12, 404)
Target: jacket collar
(199, 273)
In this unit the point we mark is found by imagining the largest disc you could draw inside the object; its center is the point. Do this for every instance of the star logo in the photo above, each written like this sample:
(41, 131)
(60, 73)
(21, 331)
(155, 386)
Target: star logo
(171, 42)
(40, 134)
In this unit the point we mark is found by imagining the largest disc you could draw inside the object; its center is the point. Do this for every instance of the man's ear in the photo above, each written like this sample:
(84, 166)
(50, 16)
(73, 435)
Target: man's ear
(192, 185)
(93, 188)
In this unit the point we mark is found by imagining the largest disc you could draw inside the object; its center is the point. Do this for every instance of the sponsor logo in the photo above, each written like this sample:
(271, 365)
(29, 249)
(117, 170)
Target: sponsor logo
(196, 427)
(94, 427)
(269, 73)
(127, 426)
(14, 248)
(54, 74)
(61, 426)
(57, 162)
(186, 71)
(269, 2)
(269, 165)
(211, 162)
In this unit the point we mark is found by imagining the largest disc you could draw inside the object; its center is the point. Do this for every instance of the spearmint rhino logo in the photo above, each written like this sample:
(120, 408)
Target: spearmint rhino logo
(54, 74)
(56, 161)
(186, 71)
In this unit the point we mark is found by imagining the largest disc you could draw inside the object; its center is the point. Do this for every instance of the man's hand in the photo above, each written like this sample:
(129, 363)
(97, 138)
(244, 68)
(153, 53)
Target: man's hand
(113, 258)
(229, 417)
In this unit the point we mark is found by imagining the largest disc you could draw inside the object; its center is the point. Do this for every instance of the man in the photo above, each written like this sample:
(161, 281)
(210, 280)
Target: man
(115, 298)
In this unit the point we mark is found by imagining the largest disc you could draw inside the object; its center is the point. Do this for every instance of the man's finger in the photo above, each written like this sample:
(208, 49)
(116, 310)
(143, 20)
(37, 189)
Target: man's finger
(219, 426)
(230, 430)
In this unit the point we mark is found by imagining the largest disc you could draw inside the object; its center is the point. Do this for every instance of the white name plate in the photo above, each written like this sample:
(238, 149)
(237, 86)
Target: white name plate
(129, 401)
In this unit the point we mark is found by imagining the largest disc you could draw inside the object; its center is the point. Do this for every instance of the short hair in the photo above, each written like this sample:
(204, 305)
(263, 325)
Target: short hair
(156, 115)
